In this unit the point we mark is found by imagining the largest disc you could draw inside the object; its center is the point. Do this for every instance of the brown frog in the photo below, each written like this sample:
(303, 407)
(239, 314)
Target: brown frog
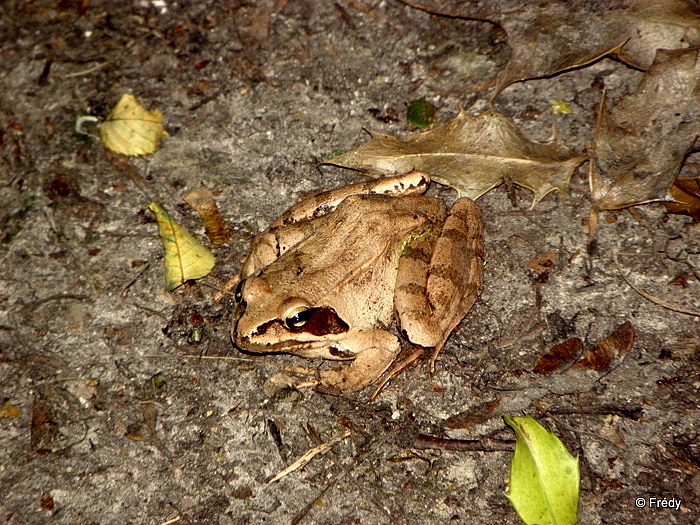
(328, 278)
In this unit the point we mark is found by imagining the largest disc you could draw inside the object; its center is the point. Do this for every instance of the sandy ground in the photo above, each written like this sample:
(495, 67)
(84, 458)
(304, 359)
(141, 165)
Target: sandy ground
(110, 416)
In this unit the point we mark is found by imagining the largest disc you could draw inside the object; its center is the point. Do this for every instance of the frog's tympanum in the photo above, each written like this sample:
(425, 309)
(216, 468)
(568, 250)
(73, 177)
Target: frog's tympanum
(328, 278)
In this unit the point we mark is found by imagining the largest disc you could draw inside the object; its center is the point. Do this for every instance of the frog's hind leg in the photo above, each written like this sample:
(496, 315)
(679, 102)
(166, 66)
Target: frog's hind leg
(439, 279)
(411, 183)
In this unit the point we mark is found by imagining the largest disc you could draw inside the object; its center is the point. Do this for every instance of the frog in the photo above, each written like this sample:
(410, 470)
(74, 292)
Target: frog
(332, 275)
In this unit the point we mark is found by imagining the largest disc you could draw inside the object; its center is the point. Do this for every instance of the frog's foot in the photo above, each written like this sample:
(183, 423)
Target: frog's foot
(378, 349)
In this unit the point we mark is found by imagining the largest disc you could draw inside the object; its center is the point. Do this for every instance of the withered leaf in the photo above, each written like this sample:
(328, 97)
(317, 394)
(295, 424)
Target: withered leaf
(541, 266)
(609, 350)
(475, 415)
(471, 154)
(46, 502)
(43, 428)
(253, 23)
(641, 143)
(553, 36)
(202, 201)
(559, 356)
(685, 193)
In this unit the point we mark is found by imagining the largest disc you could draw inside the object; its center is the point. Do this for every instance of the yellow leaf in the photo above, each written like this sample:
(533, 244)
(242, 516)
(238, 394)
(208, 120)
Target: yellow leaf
(8, 410)
(185, 257)
(560, 107)
(130, 129)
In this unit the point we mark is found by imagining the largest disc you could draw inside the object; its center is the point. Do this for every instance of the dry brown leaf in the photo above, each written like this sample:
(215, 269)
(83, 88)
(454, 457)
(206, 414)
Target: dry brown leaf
(43, 427)
(552, 36)
(471, 154)
(559, 356)
(475, 415)
(685, 193)
(541, 266)
(608, 351)
(641, 143)
(253, 23)
(202, 201)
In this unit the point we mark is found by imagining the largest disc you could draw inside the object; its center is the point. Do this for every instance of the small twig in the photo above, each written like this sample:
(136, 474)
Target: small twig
(308, 456)
(174, 520)
(338, 477)
(649, 297)
(125, 290)
(86, 71)
(151, 311)
(57, 297)
(195, 356)
(423, 441)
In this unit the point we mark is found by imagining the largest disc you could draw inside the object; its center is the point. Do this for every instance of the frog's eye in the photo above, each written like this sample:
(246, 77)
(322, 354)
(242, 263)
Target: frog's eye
(238, 295)
(297, 318)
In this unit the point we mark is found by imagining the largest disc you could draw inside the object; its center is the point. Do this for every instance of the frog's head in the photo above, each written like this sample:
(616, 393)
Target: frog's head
(265, 321)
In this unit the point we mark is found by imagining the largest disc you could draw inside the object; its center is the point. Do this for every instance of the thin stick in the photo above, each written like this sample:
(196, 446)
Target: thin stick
(308, 456)
(649, 297)
(195, 356)
(86, 71)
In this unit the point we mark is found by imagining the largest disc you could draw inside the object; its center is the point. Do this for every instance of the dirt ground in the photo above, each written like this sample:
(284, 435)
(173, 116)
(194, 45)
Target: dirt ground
(110, 416)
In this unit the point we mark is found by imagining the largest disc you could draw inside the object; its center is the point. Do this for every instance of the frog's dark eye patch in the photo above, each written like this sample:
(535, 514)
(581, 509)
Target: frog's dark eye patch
(318, 321)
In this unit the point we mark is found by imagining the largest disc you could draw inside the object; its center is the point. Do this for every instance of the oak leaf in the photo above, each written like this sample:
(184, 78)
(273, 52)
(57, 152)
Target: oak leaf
(552, 36)
(641, 143)
(473, 154)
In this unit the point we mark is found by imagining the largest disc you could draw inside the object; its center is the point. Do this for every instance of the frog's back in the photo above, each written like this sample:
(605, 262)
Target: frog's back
(350, 263)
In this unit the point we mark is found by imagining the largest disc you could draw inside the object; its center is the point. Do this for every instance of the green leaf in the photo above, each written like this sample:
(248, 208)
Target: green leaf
(420, 114)
(185, 257)
(544, 477)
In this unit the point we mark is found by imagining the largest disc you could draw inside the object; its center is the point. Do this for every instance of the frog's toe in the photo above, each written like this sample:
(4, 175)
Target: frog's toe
(369, 364)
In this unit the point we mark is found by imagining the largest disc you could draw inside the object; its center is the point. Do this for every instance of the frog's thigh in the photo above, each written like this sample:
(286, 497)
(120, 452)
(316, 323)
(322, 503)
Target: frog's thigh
(437, 285)
(375, 349)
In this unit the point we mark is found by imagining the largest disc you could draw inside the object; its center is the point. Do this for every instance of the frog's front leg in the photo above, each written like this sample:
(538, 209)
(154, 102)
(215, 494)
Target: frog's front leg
(375, 351)
(439, 280)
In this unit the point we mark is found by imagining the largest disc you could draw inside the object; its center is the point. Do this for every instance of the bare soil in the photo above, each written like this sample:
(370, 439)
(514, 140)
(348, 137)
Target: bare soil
(111, 416)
